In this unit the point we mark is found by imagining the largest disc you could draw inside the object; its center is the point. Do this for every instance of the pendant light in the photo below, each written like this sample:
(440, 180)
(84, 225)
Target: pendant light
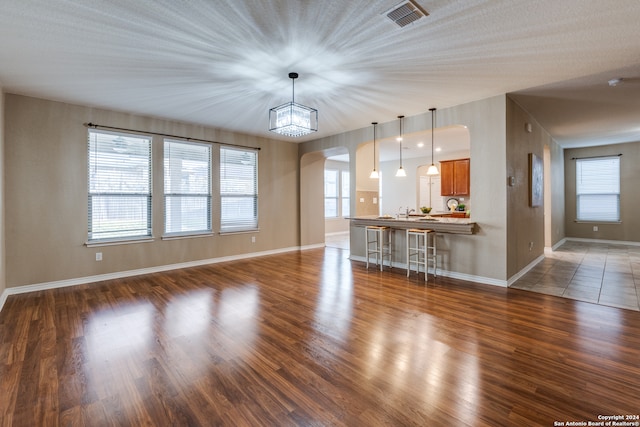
(401, 172)
(374, 172)
(433, 169)
(293, 119)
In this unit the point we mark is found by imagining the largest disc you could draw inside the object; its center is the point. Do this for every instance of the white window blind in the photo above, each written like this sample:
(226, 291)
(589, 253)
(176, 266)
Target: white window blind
(238, 189)
(598, 189)
(344, 177)
(119, 186)
(330, 193)
(187, 187)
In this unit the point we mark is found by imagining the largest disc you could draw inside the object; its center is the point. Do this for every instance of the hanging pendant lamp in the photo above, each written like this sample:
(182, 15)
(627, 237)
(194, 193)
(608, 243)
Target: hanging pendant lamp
(401, 172)
(374, 172)
(433, 169)
(293, 119)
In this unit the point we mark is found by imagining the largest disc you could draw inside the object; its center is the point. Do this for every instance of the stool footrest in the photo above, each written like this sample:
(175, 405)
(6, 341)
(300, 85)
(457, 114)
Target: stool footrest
(424, 253)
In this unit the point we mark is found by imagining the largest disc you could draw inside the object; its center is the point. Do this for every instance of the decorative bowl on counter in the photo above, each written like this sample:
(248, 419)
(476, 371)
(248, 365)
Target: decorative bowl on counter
(425, 210)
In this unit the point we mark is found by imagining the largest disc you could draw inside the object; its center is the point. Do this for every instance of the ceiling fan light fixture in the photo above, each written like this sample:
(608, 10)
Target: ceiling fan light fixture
(292, 119)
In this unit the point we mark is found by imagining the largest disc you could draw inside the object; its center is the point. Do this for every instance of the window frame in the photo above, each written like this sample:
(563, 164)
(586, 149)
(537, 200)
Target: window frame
(336, 197)
(208, 196)
(92, 194)
(252, 222)
(590, 216)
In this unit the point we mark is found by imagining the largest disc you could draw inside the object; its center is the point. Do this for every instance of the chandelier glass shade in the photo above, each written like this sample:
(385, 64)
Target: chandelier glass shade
(291, 118)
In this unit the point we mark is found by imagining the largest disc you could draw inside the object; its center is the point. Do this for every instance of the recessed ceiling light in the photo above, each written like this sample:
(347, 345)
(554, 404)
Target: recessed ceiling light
(438, 149)
(420, 144)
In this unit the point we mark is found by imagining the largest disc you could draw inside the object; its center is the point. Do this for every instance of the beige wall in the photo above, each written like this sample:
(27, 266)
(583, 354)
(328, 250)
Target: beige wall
(526, 224)
(484, 253)
(629, 227)
(556, 224)
(46, 195)
(2, 204)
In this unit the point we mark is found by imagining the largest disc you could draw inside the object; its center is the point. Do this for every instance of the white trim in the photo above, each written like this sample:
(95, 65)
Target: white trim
(3, 298)
(524, 271)
(177, 236)
(121, 274)
(549, 250)
(314, 246)
(337, 233)
(446, 273)
(612, 242)
(112, 242)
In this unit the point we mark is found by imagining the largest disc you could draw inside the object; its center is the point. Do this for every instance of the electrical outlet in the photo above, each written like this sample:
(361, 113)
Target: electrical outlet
(595, 228)
(253, 239)
(98, 256)
(530, 246)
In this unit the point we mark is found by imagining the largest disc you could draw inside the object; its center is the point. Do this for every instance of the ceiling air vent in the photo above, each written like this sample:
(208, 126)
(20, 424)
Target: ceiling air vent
(406, 13)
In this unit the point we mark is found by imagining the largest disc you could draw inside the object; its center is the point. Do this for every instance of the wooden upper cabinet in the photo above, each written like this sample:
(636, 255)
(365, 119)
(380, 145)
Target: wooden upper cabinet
(454, 177)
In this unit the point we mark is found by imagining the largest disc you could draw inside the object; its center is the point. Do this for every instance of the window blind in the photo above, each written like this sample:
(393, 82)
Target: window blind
(119, 203)
(344, 193)
(330, 193)
(598, 189)
(238, 189)
(187, 187)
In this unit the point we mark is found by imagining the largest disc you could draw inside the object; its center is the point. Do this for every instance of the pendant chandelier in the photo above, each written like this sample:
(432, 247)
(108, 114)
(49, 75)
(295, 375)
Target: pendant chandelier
(401, 172)
(433, 169)
(374, 172)
(293, 119)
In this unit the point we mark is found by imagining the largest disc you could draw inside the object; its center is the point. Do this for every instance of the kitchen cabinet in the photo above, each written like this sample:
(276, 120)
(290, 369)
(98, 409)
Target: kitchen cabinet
(454, 177)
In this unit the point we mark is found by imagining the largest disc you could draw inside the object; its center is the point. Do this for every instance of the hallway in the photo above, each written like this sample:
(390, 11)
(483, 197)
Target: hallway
(602, 273)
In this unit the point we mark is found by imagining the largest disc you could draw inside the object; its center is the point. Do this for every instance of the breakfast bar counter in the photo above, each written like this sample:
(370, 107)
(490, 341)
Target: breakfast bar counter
(437, 224)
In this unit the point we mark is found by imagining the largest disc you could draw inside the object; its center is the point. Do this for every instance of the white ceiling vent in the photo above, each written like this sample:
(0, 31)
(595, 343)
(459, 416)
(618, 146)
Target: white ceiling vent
(406, 13)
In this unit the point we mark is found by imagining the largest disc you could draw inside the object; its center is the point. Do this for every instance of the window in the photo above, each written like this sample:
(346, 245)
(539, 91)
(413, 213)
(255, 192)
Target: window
(345, 193)
(598, 189)
(187, 187)
(330, 193)
(336, 193)
(119, 186)
(238, 189)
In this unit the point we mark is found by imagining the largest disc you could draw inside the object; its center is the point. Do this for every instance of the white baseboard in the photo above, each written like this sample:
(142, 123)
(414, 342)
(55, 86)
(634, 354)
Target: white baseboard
(525, 270)
(129, 273)
(550, 250)
(609, 242)
(446, 273)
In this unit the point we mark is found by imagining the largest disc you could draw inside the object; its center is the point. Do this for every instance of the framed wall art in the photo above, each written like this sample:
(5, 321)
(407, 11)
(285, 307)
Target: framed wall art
(536, 177)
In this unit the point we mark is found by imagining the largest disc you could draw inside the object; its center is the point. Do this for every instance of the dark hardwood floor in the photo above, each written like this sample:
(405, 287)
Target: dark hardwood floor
(311, 339)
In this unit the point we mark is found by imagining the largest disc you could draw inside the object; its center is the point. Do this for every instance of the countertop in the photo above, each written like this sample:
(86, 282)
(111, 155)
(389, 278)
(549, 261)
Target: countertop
(438, 224)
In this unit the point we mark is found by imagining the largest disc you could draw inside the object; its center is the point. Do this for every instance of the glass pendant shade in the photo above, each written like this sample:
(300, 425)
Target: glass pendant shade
(374, 172)
(433, 169)
(292, 119)
(401, 172)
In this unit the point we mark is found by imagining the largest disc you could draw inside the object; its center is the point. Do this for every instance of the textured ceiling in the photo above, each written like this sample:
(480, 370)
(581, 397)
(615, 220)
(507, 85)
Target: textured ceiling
(225, 63)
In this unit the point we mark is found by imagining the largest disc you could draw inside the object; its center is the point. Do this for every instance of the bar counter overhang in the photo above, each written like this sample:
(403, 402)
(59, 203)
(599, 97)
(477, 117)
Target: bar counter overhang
(439, 225)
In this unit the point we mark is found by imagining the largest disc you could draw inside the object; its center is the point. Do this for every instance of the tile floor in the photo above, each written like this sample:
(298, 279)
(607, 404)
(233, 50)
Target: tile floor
(337, 240)
(601, 273)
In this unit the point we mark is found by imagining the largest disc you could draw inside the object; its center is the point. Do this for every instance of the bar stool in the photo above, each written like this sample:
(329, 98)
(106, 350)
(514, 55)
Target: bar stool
(380, 237)
(422, 247)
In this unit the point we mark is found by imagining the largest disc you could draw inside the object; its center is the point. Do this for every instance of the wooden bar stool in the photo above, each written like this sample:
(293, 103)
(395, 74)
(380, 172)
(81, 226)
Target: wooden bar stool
(424, 250)
(379, 244)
